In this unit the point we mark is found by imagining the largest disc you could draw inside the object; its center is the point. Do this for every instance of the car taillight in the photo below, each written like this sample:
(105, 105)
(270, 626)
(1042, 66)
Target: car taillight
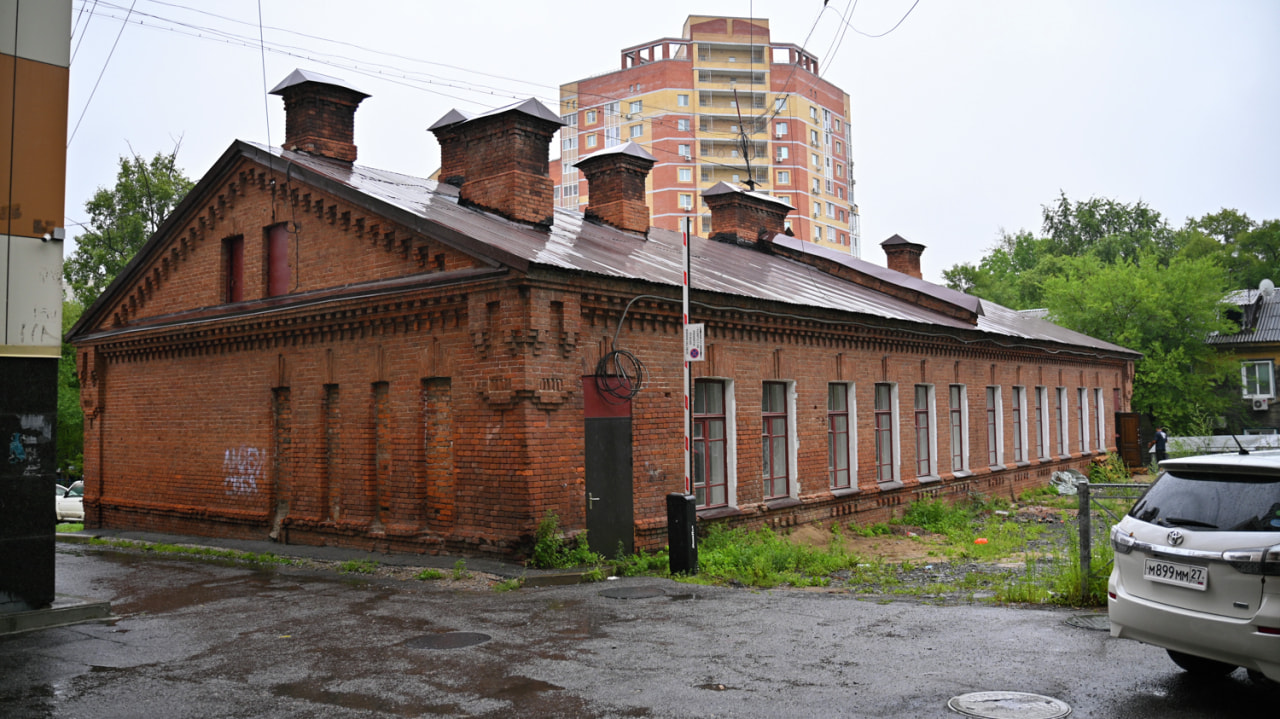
(1256, 560)
(1121, 541)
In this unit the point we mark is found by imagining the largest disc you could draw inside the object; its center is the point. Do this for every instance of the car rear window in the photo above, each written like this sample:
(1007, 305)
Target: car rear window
(1211, 501)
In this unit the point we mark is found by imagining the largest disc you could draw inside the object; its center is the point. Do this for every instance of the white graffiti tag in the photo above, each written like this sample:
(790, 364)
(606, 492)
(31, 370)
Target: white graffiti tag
(241, 469)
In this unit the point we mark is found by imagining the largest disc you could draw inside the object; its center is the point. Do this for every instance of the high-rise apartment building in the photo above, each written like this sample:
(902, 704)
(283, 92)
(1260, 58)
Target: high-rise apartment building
(721, 103)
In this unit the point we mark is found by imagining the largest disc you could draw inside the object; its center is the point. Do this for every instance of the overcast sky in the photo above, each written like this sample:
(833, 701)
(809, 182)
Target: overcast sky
(967, 118)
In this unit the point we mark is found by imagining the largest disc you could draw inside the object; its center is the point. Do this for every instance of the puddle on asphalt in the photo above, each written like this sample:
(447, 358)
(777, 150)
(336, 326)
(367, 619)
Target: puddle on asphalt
(311, 692)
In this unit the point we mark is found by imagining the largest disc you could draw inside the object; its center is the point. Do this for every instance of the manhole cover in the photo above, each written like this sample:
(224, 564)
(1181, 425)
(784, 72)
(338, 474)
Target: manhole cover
(1008, 705)
(448, 640)
(632, 592)
(1091, 621)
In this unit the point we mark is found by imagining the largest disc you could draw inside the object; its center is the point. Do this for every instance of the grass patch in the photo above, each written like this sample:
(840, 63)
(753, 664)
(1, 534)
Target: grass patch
(69, 527)
(429, 574)
(763, 559)
(358, 566)
(265, 558)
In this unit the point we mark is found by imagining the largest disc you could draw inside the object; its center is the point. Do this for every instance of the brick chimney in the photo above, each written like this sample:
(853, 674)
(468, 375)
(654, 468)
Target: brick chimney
(498, 160)
(903, 255)
(615, 186)
(744, 217)
(320, 114)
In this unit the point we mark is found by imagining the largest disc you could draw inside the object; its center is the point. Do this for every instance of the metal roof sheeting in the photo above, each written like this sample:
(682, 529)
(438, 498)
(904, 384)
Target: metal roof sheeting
(1260, 323)
(573, 244)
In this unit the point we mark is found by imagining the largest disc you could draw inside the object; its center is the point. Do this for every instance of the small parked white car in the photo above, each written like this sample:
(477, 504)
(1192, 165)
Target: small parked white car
(69, 502)
(1197, 565)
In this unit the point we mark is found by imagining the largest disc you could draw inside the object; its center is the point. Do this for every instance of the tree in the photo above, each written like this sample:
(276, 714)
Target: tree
(1163, 312)
(121, 219)
(1120, 273)
(69, 451)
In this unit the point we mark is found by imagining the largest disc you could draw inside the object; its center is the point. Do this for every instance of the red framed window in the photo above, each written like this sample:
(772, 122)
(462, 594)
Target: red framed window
(956, 414)
(278, 274)
(884, 432)
(774, 440)
(233, 269)
(924, 458)
(993, 426)
(838, 435)
(710, 478)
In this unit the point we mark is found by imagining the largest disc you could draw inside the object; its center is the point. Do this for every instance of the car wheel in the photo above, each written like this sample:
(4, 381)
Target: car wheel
(1200, 666)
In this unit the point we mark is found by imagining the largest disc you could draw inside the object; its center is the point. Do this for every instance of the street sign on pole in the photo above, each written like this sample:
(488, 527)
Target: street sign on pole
(695, 349)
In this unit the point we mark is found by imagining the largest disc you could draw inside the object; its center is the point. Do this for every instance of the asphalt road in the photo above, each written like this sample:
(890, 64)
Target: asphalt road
(202, 639)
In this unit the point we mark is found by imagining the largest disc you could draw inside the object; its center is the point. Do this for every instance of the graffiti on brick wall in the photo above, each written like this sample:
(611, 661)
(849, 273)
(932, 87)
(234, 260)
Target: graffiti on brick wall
(241, 469)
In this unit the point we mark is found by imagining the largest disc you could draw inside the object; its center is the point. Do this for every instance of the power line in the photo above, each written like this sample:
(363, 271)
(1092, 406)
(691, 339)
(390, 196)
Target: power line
(100, 74)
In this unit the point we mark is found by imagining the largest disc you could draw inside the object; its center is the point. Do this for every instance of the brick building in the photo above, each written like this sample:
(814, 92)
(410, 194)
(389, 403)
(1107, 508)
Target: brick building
(321, 352)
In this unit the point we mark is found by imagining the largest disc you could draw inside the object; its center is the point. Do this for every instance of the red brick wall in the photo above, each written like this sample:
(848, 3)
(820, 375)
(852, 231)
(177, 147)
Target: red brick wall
(451, 418)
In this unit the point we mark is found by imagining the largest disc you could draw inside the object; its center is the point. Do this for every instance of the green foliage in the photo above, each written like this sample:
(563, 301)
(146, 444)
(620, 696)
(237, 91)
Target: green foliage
(69, 527)
(552, 551)
(644, 564)
(69, 452)
(194, 552)
(939, 517)
(429, 574)
(122, 219)
(508, 585)
(460, 570)
(358, 566)
(1110, 469)
(878, 529)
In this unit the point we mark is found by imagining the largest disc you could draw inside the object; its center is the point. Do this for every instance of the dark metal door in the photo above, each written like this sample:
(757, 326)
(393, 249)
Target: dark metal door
(1127, 439)
(607, 435)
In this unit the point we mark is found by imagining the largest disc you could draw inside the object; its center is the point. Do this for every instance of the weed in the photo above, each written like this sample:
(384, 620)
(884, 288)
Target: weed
(763, 559)
(595, 574)
(196, 552)
(508, 585)
(460, 570)
(427, 574)
(552, 551)
(644, 564)
(358, 566)
(878, 529)
(69, 527)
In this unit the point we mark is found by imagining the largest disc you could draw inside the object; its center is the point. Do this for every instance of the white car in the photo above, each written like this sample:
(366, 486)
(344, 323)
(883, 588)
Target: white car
(1197, 565)
(69, 502)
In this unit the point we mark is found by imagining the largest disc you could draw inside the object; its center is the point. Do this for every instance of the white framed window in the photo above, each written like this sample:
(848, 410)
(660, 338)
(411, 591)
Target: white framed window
(817, 233)
(885, 414)
(683, 150)
(842, 440)
(682, 125)
(591, 117)
(1042, 422)
(831, 209)
(591, 140)
(925, 426)
(817, 161)
(783, 154)
(995, 428)
(1019, 408)
(682, 100)
(780, 104)
(686, 201)
(1257, 378)
(813, 113)
(684, 174)
(779, 129)
(817, 186)
(612, 136)
(636, 107)
(813, 137)
(612, 109)
(1063, 423)
(1082, 397)
(958, 414)
(637, 130)
(569, 143)
(784, 177)
(1099, 420)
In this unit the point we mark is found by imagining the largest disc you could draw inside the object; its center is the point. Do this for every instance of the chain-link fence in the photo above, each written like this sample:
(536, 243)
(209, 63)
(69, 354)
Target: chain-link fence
(1100, 506)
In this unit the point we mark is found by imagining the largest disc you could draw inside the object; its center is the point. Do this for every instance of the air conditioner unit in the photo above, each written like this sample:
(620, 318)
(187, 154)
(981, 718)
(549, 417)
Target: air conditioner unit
(1260, 404)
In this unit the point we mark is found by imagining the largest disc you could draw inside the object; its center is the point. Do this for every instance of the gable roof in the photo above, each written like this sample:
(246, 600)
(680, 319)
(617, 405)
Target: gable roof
(1260, 321)
(573, 245)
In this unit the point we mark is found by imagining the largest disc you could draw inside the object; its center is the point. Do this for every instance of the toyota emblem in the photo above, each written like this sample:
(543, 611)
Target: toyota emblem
(1175, 538)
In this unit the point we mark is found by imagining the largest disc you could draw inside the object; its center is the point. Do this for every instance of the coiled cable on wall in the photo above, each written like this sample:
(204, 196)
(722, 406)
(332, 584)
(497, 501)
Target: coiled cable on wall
(620, 374)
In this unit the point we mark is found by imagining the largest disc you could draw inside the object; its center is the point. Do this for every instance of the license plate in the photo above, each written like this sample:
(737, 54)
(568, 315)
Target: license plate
(1181, 575)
